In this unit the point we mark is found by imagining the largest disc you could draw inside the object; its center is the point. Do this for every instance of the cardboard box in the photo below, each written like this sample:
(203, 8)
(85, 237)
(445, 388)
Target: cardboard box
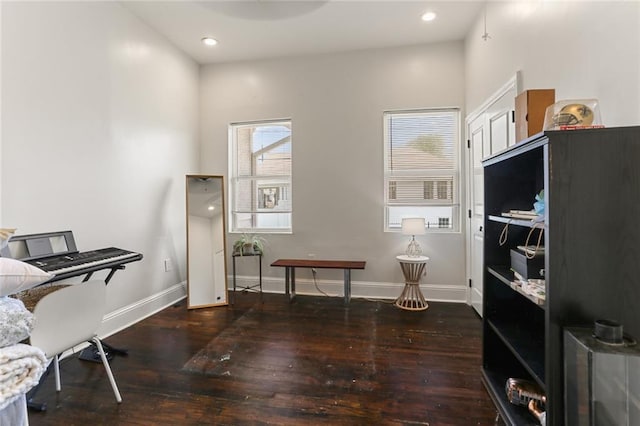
(528, 268)
(530, 108)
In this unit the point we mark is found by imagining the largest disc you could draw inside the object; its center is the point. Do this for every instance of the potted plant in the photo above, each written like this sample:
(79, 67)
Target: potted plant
(248, 244)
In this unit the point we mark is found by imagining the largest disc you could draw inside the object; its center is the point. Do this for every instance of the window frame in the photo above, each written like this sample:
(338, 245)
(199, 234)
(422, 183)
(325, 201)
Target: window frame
(420, 174)
(267, 181)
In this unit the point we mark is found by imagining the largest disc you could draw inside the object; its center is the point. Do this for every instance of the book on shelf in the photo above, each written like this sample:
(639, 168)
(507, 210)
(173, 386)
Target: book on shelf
(521, 214)
(534, 288)
(532, 250)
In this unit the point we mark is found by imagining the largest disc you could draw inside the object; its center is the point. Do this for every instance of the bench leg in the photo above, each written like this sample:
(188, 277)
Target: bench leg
(290, 282)
(347, 286)
(293, 284)
(286, 281)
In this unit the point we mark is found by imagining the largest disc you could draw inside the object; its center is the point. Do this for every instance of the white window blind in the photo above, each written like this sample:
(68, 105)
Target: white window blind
(422, 167)
(260, 181)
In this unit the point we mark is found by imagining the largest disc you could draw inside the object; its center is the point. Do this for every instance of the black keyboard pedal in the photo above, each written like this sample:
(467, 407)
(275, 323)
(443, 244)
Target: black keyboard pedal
(91, 353)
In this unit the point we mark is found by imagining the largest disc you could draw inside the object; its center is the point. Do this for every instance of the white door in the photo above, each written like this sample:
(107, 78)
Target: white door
(489, 130)
(476, 191)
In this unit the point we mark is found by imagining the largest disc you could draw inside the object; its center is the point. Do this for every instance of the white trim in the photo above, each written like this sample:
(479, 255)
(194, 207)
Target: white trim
(359, 289)
(421, 174)
(515, 81)
(283, 180)
(126, 316)
(254, 122)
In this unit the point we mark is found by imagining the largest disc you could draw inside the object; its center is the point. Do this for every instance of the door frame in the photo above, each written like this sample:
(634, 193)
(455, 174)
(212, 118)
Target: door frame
(514, 82)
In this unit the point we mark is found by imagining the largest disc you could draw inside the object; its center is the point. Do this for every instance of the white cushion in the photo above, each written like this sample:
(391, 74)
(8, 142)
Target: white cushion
(16, 276)
(15, 321)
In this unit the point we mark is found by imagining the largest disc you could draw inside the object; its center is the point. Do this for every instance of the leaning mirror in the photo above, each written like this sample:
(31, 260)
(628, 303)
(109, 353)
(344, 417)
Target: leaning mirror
(206, 260)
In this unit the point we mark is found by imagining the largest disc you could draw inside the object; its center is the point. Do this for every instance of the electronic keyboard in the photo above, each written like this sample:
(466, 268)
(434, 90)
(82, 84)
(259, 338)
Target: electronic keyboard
(57, 254)
(84, 260)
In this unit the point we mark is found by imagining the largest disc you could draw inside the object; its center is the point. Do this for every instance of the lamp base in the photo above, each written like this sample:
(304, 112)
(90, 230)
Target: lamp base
(411, 298)
(413, 249)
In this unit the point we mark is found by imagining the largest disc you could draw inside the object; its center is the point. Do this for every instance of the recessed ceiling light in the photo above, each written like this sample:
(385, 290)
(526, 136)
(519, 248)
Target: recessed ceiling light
(210, 41)
(428, 16)
(210, 208)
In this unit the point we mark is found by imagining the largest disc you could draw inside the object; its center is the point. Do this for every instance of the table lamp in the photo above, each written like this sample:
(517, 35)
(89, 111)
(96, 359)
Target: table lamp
(413, 226)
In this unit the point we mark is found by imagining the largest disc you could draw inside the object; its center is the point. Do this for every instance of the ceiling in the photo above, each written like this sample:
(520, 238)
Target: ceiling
(258, 29)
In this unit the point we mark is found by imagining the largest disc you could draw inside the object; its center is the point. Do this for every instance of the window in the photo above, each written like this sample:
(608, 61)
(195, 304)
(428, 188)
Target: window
(260, 176)
(421, 163)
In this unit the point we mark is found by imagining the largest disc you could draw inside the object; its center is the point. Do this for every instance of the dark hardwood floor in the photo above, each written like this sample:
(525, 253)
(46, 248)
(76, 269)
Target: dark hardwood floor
(315, 361)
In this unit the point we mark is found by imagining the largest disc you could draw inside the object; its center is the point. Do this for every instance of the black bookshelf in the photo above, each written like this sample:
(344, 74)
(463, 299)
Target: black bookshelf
(592, 254)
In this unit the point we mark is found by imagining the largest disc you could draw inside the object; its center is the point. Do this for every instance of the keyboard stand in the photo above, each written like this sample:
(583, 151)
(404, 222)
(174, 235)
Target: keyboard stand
(91, 352)
(109, 276)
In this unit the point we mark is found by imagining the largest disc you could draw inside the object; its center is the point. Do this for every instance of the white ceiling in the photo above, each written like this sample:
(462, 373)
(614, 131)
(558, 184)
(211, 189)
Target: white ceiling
(256, 29)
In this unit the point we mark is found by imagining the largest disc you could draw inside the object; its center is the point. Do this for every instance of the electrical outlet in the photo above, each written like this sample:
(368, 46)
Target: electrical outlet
(168, 266)
(313, 271)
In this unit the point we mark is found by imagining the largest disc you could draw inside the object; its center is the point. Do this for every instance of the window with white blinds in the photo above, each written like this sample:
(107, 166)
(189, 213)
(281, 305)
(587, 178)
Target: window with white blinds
(260, 176)
(421, 168)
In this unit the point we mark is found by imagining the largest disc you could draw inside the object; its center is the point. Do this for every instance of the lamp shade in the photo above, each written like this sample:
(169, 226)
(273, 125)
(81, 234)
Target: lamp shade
(413, 226)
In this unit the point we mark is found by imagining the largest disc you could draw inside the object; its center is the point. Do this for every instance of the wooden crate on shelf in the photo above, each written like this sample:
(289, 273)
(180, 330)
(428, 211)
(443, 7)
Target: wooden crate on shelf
(531, 106)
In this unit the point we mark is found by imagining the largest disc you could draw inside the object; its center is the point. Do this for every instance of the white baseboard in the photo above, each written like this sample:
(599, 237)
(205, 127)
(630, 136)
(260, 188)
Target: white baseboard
(125, 317)
(359, 289)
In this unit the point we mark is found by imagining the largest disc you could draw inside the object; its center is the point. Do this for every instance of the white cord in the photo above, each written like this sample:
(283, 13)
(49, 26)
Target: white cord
(504, 234)
(526, 243)
(313, 272)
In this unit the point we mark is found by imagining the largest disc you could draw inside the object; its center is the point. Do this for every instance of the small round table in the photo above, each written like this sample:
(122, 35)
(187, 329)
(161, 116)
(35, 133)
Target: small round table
(411, 298)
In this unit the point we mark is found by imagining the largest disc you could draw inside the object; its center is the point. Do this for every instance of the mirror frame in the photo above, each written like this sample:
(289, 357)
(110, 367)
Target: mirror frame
(189, 178)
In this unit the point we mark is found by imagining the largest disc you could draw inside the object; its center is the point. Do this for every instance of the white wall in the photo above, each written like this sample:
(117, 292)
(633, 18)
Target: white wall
(584, 49)
(100, 124)
(99, 127)
(336, 103)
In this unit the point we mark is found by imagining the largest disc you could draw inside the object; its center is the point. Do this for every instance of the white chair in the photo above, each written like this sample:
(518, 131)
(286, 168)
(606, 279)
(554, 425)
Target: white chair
(68, 317)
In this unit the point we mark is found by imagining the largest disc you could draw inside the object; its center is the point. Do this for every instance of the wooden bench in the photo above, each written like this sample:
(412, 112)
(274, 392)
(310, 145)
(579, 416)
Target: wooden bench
(290, 266)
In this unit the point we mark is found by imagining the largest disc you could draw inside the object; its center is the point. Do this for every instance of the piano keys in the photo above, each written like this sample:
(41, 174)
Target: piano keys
(56, 253)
